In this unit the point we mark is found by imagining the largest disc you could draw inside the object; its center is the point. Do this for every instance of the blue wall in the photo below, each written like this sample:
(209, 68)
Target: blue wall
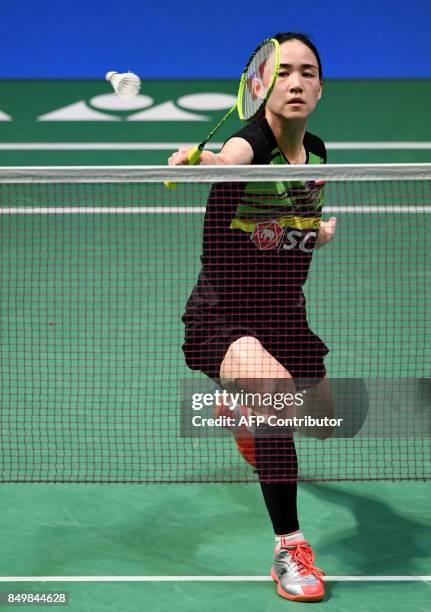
(195, 39)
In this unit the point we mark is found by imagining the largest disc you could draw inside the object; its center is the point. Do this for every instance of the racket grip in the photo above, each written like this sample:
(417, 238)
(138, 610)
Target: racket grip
(193, 156)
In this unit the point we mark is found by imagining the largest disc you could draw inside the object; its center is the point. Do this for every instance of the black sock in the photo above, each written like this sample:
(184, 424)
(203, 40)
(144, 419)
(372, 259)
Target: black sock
(277, 466)
(280, 500)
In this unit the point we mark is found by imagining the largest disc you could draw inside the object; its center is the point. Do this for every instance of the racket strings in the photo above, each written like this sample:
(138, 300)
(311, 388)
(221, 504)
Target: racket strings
(258, 79)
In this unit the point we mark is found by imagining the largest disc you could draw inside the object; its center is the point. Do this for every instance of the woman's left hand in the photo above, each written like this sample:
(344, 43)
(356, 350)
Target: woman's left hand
(326, 232)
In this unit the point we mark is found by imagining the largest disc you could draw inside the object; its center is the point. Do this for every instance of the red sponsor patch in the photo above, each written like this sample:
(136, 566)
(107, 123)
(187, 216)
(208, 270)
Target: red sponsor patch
(267, 235)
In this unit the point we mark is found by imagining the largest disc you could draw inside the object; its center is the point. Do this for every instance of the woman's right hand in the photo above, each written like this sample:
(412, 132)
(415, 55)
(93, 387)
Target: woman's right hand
(179, 158)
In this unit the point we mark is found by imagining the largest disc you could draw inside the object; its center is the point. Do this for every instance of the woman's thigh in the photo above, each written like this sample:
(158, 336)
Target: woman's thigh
(251, 369)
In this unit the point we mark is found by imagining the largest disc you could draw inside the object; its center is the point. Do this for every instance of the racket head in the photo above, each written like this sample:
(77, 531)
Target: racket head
(258, 78)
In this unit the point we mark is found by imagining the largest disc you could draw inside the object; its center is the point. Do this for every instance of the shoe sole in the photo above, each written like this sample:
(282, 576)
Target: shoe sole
(304, 598)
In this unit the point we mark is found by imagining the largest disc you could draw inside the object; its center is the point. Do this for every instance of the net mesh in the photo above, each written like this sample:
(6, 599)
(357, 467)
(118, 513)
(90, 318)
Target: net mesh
(97, 269)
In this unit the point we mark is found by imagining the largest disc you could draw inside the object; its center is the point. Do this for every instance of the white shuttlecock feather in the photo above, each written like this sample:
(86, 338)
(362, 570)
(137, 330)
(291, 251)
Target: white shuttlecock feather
(126, 84)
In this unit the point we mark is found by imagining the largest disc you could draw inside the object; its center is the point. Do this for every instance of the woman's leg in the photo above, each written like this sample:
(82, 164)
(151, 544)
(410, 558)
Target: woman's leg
(248, 366)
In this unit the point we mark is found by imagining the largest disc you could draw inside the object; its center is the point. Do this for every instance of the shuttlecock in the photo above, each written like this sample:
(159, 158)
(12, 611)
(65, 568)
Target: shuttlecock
(126, 85)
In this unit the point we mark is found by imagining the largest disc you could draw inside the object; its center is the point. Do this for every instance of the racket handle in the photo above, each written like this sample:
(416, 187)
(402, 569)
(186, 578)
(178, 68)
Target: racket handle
(193, 156)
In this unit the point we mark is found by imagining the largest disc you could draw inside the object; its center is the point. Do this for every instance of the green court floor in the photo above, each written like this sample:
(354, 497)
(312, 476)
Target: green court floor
(357, 529)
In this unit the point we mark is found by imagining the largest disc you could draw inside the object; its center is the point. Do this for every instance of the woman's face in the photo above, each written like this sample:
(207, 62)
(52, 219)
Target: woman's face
(298, 87)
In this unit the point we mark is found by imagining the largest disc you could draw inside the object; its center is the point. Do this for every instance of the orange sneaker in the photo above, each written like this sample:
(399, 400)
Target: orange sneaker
(244, 436)
(295, 574)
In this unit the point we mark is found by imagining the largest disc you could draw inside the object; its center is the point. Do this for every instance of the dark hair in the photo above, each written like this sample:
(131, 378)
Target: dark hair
(285, 36)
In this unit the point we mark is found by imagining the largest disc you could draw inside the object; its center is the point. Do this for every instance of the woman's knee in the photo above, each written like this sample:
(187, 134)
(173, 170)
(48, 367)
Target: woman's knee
(248, 368)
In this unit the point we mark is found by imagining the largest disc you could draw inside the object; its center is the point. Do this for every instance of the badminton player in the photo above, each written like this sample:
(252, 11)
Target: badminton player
(246, 324)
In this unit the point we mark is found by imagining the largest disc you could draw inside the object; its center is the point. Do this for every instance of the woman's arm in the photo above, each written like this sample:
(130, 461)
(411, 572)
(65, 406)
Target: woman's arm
(235, 152)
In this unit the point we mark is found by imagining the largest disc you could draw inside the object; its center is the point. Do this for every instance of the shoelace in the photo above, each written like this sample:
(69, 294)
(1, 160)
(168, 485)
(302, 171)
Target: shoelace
(303, 556)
